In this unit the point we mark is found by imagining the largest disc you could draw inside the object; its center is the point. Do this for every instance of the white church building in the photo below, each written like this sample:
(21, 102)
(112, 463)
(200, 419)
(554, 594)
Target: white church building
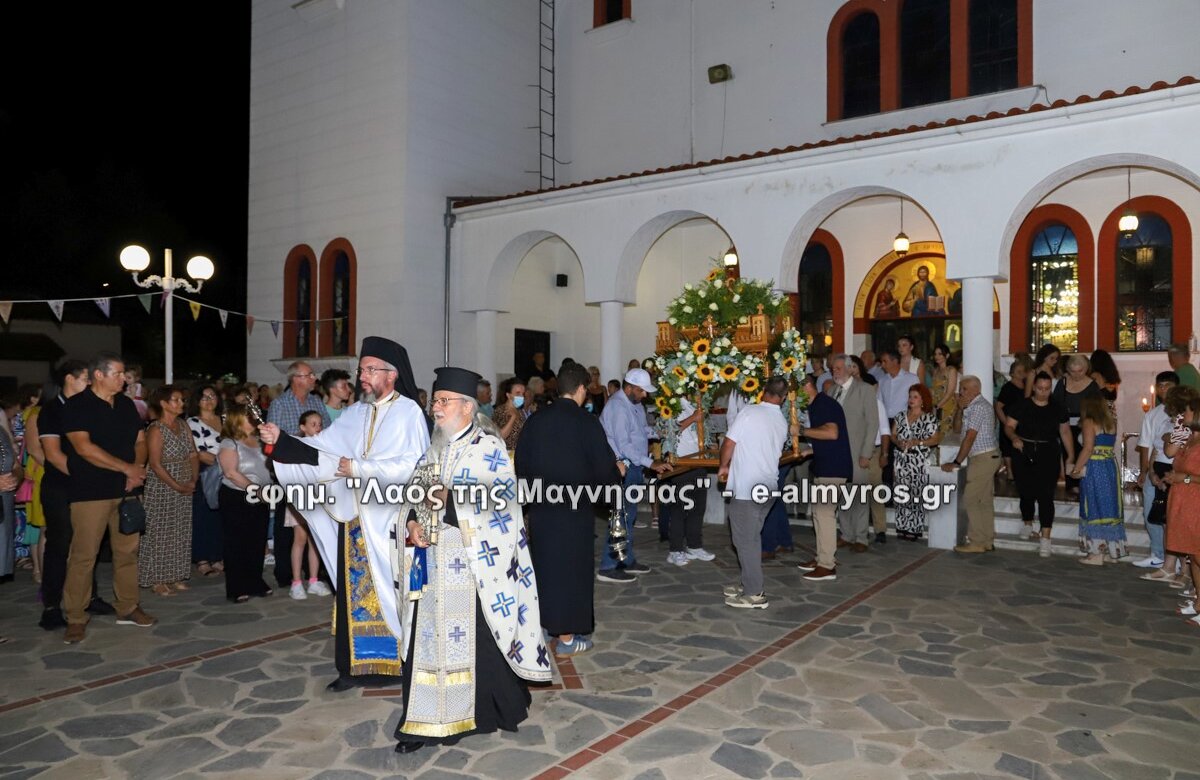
(479, 178)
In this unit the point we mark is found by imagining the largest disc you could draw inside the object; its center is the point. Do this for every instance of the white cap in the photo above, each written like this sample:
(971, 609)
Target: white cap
(639, 377)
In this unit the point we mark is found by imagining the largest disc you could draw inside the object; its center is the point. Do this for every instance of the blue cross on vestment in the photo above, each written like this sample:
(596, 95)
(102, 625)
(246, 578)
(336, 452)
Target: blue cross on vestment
(495, 459)
(514, 651)
(427, 634)
(512, 570)
(503, 604)
(524, 540)
(488, 553)
(457, 565)
(508, 494)
(464, 477)
(543, 660)
(526, 573)
(500, 520)
(521, 610)
(457, 634)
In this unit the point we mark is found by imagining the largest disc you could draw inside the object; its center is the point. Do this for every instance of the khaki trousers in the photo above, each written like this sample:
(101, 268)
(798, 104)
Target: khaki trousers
(978, 497)
(875, 476)
(88, 521)
(825, 524)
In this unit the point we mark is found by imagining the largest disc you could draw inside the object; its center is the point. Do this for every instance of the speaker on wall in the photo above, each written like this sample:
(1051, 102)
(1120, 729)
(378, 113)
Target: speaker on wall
(560, 280)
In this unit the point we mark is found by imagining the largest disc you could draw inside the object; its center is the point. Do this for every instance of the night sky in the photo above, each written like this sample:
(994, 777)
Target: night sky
(128, 123)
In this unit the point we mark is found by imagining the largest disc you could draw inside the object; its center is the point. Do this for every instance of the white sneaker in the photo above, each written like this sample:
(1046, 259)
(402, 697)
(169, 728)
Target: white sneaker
(677, 558)
(1187, 608)
(699, 554)
(297, 591)
(1149, 563)
(269, 560)
(1044, 548)
(318, 588)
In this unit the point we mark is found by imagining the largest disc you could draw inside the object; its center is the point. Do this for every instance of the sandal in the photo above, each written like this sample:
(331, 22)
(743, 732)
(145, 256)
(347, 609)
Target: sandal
(163, 590)
(219, 567)
(1158, 575)
(204, 568)
(181, 586)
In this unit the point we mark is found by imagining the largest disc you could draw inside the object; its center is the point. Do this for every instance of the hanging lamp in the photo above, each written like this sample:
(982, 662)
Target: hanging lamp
(1128, 223)
(901, 243)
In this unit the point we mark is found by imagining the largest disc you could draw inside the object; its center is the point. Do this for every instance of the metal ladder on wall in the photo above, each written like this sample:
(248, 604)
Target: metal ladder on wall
(545, 88)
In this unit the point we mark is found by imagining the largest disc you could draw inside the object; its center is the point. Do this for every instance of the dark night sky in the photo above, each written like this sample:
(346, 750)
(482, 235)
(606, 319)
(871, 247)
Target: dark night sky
(124, 123)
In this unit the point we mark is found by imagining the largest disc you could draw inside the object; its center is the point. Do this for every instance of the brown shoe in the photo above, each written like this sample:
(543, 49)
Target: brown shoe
(75, 633)
(842, 543)
(768, 556)
(807, 566)
(820, 574)
(137, 618)
(858, 547)
(972, 548)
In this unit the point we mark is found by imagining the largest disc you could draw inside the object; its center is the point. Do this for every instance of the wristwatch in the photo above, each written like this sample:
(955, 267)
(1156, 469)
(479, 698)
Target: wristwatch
(1187, 479)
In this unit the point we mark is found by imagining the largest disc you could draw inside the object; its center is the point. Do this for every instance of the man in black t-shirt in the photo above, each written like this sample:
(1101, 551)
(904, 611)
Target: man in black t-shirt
(107, 461)
(832, 466)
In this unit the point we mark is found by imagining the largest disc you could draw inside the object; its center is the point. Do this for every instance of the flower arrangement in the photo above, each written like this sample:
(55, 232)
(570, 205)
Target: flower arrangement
(730, 302)
(704, 367)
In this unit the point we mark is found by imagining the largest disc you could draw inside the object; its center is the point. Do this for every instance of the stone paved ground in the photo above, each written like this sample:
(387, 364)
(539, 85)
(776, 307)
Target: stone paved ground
(1004, 665)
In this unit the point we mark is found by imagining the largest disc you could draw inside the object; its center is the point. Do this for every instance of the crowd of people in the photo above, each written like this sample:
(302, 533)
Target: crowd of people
(164, 486)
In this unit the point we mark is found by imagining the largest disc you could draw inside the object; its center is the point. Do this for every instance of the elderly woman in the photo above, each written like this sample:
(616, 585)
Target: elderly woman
(244, 524)
(204, 420)
(165, 552)
(1075, 386)
(914, 432)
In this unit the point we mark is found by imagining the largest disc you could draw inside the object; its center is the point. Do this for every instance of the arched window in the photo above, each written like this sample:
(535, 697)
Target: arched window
(1145, 285)
(338, 295)
(299, 302)
(1054, 289)
(860, 66)
(993, 46)
(924, 52)
(815, 285)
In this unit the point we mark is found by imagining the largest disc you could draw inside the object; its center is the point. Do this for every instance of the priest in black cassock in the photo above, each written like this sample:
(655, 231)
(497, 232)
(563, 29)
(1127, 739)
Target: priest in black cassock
(565, 445)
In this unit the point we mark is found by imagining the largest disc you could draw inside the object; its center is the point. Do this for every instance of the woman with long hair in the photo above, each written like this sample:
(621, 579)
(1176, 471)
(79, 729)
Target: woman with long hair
(509, 415)
(1046, 360)
(908, 358)
(204, 419)
(945, 386)
(244, 524)
(165, 552)
(1101, 514)
(914, 432)
(1183, 522)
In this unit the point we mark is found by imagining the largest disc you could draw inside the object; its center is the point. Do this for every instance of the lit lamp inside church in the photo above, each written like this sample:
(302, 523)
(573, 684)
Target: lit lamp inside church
(731, 258)
(901, 243)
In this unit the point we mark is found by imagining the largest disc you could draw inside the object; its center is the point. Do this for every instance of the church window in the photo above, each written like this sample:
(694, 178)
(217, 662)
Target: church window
(816, 299)
(860, 66)
(993, 46)
(299, 302)
(1054, 289)
(924, 52)
(1144, 285)
(609, 11)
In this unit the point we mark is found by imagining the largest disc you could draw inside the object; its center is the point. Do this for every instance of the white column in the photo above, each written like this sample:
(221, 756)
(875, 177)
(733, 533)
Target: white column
(612, 365)
(978, 340)
(485, 344)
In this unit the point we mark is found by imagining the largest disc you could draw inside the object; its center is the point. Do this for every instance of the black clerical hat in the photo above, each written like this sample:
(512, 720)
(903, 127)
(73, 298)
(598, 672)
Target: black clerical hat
(456, 380)
(390, 352)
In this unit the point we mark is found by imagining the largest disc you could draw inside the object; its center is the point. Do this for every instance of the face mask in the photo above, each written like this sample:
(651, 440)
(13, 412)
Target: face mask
(588, 406)
(519, 401)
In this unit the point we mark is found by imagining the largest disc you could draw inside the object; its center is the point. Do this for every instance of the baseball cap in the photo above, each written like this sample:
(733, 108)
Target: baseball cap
(639, 377)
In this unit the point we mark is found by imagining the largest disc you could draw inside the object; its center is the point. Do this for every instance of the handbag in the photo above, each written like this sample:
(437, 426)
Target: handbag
(210, 485)
(132, 516)
(24, 492)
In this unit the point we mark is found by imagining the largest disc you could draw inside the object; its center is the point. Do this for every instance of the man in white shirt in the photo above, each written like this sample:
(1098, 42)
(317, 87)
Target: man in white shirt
(1155, 425)
(750, 457)
(895, 384)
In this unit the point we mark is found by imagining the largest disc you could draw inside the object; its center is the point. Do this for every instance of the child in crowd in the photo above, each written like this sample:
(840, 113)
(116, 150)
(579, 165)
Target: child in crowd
(310, 425)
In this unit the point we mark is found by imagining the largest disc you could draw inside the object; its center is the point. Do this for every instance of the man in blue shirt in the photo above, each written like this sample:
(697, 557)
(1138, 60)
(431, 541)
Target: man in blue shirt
(624, 422)
(831, 467)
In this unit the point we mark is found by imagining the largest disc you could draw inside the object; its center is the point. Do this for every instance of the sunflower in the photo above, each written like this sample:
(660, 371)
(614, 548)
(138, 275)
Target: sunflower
(679, 372)
(729, 373)
(705, 373)
(789, 365)
(700, 347)
(750, 386)
(713, 274)
(702, 387)
(666, 390)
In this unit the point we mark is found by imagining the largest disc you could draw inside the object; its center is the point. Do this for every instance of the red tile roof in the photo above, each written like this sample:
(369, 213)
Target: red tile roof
(1106, 95)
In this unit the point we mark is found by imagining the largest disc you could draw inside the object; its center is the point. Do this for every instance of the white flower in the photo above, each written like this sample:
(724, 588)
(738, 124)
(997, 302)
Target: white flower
(743, 320)
(687, 287)
(748, 363)
(687, 309)
(703, 292)
(716, 350)
(673, 321)
(718, 283)
(712, 306)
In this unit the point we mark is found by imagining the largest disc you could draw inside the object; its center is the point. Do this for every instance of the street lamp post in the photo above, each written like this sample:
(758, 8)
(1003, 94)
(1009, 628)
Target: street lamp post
(136, 259)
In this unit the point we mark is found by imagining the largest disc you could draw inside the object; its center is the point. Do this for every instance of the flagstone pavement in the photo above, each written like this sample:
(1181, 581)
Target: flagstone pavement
(911, 665)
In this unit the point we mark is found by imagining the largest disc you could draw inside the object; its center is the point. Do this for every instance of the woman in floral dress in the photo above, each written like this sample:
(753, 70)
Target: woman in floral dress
(165, 553)
(914, 432)
(205, 422)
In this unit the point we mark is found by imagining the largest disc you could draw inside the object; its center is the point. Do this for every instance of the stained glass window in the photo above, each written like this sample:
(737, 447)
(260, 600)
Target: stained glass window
(1054, 289)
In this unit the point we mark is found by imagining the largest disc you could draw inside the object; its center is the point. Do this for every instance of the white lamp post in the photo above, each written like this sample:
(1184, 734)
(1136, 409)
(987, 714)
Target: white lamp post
(135, 259)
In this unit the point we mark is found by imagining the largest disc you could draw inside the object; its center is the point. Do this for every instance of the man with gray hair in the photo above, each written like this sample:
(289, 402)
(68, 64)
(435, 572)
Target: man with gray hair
(1180, 358)
(979, 444)
(862, 424)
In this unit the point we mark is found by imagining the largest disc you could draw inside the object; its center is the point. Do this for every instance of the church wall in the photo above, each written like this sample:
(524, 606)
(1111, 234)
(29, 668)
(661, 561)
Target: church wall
(654, 68)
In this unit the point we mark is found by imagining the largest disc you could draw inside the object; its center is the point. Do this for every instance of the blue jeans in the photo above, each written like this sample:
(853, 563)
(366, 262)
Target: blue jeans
(608, 561)
(776, 532)
(1156, 532)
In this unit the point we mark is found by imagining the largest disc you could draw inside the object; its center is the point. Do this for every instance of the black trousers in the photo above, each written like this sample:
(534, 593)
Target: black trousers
(1036, 473)
(685, 526)
(58, 530)
(244, 537)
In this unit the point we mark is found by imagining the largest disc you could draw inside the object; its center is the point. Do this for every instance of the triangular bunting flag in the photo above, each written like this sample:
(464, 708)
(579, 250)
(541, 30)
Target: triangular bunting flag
(105, 305)
(147, 301)
(224, 316)
(57, 308)
(195, 307)
(275, 327)
(249, 324)
(5, 310)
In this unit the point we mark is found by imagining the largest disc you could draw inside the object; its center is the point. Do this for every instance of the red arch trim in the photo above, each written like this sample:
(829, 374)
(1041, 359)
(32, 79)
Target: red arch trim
(299, 254)
(1018, 274)
(1181, 268)
(328, 260)
(837, 264)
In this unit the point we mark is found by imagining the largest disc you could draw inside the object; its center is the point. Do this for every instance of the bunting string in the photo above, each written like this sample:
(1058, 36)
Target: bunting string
(146, 300)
